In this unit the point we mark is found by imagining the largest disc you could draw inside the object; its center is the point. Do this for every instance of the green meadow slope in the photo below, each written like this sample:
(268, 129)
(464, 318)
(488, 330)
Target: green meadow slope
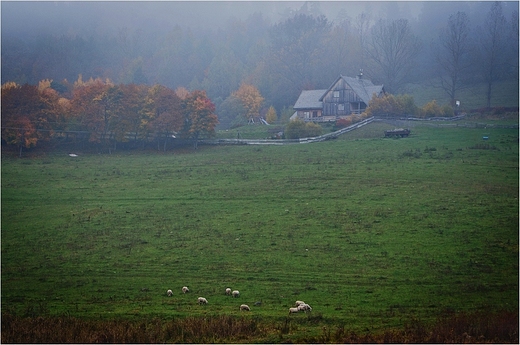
(369, 231)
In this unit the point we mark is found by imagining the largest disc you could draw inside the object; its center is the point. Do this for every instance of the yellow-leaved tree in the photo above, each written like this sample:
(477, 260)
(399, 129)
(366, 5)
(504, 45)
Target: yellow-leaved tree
(251, 100)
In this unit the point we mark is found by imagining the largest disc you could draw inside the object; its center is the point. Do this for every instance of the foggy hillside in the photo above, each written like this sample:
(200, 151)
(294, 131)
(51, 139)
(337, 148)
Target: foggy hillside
(280, 47)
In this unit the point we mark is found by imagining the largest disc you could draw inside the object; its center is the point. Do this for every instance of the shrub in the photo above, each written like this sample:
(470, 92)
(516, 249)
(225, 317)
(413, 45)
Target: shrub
(294, 129)
(312, 129)
(299, 129)
(344, 122)
(407, 104)
(431, 109)
(390, 105)
(447, 110)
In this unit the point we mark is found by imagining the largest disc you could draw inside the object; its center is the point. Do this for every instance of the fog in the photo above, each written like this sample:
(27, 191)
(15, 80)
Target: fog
(99, 16)
(217, 45)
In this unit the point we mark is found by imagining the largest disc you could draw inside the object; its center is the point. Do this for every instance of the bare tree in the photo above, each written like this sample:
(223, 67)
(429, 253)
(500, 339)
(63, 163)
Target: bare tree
(343, 53)
(295, 56)
(363, 21)
(452, 54)
(492, 47)
(393, 48)
(297, 44)
(513, 46)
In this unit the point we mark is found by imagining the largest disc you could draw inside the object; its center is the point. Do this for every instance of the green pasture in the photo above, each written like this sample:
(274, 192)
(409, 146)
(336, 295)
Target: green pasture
(503, 93)
(369, 231)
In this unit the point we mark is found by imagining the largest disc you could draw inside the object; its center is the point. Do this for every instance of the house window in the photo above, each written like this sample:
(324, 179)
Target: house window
(336, 94)
(306, 114)
(341, 107)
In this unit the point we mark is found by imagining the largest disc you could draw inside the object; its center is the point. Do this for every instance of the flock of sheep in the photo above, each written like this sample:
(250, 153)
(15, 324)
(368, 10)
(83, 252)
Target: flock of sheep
(300, 306)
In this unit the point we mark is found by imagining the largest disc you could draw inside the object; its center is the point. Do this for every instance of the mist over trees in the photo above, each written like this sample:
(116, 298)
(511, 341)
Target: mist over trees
(452, 53)
(393, 49)
(493, 48)
(279, 48)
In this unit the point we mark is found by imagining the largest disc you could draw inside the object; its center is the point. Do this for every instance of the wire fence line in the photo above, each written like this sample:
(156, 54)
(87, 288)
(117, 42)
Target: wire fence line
(324, 137)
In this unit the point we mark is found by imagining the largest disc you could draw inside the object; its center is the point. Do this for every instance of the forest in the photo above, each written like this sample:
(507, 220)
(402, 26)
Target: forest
(243, 65)
(102, 113)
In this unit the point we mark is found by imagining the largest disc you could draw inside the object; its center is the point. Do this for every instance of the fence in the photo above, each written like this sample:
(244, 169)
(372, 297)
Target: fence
(455, 121)
(317, 139)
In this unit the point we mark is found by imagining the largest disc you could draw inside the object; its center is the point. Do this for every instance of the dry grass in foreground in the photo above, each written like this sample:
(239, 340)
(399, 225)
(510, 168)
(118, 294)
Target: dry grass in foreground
(458, 328)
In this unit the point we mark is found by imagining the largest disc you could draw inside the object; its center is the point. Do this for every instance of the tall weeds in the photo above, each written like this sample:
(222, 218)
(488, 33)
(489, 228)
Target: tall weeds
(458, 328)
(73, 330)
(463, 328)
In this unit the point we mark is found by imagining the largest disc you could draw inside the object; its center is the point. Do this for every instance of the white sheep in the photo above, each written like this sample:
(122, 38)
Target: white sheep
(304, 307)
(169, 293)
(297, 303)
(293, 310)
(235, 293)
(185, 289)
(228, 291)
(202, 300)
(245, 307)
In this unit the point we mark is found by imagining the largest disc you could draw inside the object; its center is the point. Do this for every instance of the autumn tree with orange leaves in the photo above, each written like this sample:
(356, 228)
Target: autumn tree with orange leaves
(200, 116)
(131, 120)
(107, 113)
(164, 113)
(28, 114)
(89, 104)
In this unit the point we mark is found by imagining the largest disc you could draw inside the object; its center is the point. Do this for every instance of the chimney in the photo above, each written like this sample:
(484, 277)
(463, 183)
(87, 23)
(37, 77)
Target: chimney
(360, 75)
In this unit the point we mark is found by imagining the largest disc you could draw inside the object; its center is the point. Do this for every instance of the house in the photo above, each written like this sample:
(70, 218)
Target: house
(344, 97)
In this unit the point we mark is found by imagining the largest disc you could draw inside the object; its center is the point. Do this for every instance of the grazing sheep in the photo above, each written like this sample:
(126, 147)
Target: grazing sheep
(293, 310)
(169, 293)
(297, 303)
(235, 293)
(185, 289)
(228, 291)
(304, 307)
(245, 307)
(258, 303)
(202, 300)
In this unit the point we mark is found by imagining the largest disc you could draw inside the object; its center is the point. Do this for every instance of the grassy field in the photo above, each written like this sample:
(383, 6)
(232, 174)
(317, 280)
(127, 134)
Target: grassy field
(371, 232)
(504, 94)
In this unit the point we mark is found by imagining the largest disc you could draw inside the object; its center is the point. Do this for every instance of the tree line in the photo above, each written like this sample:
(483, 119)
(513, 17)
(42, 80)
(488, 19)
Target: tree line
(103, 112)
(304, 51)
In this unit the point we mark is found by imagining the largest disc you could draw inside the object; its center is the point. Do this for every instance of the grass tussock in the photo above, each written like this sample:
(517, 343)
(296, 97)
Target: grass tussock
(463, 328)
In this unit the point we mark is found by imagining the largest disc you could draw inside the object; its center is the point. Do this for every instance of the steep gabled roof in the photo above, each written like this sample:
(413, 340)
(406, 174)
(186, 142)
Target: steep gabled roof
(310, 99)
(377, 89)
(362, 87)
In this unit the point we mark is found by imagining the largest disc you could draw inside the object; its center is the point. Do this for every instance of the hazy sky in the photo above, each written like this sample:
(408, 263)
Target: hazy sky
(81, 17)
